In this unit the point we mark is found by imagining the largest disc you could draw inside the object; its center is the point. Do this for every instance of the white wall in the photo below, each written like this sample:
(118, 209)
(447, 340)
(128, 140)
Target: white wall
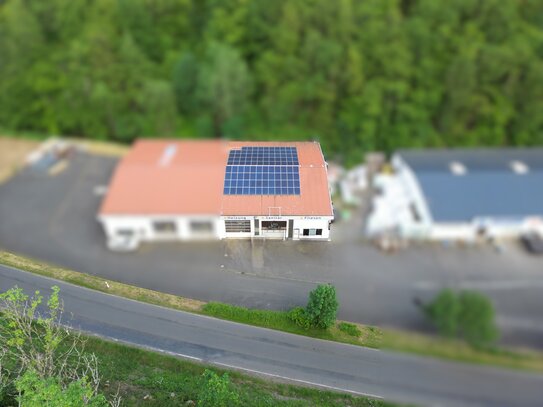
(453, 231)
(144, 230)
(392, 209)
(302, 223)
(412, 189)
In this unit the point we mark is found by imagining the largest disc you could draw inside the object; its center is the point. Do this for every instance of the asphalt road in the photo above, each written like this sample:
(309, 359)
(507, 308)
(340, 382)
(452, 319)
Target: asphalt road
(53, 218)
(380, 374)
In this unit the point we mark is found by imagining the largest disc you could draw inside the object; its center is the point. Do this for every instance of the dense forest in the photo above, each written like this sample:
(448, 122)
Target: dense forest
(357, 75)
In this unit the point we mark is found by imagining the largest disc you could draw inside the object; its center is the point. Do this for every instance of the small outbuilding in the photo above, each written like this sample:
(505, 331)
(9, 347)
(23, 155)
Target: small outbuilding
(186, 189)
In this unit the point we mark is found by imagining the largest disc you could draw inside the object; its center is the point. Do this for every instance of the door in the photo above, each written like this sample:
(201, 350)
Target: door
(275, 229)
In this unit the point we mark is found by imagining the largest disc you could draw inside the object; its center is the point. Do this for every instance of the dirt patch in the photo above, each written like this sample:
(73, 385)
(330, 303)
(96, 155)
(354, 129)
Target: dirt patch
(13, 153)
(105, 148)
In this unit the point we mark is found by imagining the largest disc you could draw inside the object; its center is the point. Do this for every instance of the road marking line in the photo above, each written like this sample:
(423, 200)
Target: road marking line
(298, 380)
(182, 355)
(137, 345)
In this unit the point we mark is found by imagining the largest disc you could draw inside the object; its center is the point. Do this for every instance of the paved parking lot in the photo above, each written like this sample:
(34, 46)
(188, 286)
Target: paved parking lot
(53, 218)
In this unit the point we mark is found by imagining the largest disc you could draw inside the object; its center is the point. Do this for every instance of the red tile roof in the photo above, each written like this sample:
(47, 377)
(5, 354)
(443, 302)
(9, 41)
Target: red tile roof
(177, 177)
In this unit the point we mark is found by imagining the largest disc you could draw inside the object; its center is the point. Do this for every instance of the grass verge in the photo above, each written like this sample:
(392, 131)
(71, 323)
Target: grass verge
(397, 340)
(369, 336)
(153, 379)
(13, 153)
(98, 147)
(451, 349)
(100, 284)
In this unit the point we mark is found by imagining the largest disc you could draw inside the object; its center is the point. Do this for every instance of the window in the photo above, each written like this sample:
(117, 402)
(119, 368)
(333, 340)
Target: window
(306, 232)
(125, 232)
(274, 225)
(312, 232)
(414, 212)
(237, 226)
(201, 226)
(165, 226)
(319, 232)
(257, 227)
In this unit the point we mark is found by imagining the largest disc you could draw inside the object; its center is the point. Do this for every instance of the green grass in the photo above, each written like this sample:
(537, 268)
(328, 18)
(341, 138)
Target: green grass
(452, 349)
(349, 329)
(171, 381)
(369, 336)
(28, 135)
(403, 341)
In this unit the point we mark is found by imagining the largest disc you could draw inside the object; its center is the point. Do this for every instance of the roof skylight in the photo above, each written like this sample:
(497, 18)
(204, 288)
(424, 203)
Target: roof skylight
(519, 167)
(167, 155)
(457, 168)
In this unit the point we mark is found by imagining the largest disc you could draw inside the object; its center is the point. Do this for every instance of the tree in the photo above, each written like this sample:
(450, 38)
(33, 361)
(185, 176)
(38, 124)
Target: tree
(217, 391)
(443, 312)
(322, 306)
(476, 319)
(37, 352)
(185, 80)
(223, 85)
(469, 315)
(356, 75)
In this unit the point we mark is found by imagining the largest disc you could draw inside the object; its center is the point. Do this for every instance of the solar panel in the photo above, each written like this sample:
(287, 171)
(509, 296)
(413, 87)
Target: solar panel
(262, 171)
(264, 156)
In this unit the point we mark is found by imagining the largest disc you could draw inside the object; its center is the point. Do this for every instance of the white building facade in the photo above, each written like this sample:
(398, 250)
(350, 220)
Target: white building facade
(460, 194)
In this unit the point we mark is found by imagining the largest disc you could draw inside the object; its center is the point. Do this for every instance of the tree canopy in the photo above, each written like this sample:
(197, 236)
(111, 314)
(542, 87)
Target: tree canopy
(355, 75)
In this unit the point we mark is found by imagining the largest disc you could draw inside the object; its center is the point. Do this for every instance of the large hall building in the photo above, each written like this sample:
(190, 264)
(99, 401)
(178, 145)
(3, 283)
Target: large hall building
(186, 189)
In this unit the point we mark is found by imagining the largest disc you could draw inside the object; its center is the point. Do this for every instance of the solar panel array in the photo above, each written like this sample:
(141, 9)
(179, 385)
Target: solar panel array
(263, 156)
(262, 171)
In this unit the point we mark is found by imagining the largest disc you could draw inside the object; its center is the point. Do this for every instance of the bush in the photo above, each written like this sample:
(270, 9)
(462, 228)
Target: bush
(299, 317)
(322, 306)
(349, 329)
(476, 319)
(443, 312)
(35, 391)
(216, 391)
(469, 315)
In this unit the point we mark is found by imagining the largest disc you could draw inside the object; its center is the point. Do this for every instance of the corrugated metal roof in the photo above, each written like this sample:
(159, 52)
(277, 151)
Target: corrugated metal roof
(477, 159)
(186, 177)
(490, 186)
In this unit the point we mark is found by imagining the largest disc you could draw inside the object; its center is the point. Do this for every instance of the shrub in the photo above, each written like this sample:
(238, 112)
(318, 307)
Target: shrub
(476, 319)
(322, 306)
(443, 312)
(35, 391)
(216, 391)
(33, 341)
(349, 329)
(299, 317)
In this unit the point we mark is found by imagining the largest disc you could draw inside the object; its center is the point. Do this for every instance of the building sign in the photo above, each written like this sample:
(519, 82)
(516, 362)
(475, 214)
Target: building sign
(271, 217)
(312, 217)
(237, 217)
(274, 225)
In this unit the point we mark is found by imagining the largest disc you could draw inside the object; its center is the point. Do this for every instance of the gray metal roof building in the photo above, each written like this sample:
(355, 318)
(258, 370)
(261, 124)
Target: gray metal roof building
(460, 184)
